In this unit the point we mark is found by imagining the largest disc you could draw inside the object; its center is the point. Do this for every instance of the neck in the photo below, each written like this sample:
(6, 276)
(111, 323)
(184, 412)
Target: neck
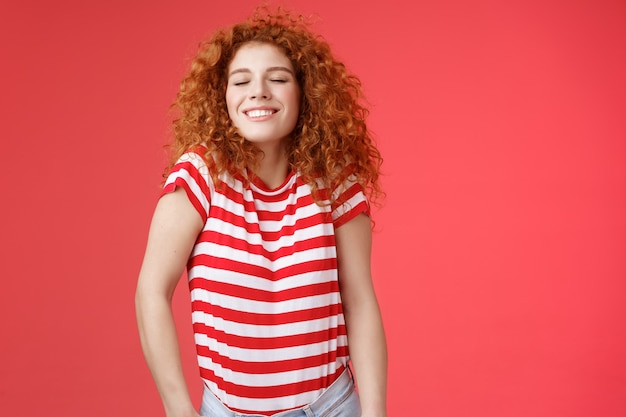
(273, 167)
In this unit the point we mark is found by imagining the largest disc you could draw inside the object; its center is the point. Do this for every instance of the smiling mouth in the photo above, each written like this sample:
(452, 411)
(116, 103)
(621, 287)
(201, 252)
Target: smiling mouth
(260, 113)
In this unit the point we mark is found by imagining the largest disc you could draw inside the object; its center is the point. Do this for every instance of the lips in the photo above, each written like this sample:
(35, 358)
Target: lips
(258, 113)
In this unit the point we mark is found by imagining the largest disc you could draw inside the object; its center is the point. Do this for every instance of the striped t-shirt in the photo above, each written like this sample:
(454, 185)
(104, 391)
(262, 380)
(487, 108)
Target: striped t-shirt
(266, 308)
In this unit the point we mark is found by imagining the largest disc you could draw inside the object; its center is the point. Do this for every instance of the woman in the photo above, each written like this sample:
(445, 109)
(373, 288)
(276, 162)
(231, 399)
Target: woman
(265, 205)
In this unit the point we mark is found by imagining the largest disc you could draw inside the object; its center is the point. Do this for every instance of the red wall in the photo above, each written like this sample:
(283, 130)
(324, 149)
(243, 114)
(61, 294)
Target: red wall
(500, 255)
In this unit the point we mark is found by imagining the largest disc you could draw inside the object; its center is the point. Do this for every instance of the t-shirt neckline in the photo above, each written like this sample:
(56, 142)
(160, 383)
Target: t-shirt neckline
(261, 186)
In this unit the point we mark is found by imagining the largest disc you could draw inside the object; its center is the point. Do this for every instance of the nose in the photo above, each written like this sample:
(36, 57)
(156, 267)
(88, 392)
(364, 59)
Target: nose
(259, 90)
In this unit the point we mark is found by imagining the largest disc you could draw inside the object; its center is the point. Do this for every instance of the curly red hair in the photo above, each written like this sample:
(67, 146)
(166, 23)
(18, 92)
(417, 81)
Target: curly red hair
(330, 141)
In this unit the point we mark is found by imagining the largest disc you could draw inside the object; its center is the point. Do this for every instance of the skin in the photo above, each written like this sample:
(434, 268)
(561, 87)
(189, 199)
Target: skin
(262, 79)
(173, 231)
(366, 337)
(176, 224)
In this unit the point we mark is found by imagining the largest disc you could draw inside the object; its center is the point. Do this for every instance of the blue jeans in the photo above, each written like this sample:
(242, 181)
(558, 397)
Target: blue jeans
(339, 400)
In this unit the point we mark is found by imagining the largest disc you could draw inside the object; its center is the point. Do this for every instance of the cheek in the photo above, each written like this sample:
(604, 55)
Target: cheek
(231, 105)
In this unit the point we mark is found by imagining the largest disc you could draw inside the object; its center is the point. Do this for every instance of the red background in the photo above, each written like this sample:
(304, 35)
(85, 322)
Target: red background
(500, 254)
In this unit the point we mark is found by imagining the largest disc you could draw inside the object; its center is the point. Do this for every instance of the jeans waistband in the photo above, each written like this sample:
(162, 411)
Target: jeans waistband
(334, 394)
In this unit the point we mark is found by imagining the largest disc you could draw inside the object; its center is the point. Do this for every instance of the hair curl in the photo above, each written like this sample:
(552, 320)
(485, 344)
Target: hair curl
(330, 141)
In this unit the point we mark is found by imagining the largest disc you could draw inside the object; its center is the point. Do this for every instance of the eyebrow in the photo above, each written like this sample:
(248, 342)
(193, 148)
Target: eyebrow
(270, 69)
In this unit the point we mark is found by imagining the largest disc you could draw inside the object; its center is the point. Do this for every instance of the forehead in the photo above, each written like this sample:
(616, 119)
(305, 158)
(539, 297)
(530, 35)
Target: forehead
(258, 55)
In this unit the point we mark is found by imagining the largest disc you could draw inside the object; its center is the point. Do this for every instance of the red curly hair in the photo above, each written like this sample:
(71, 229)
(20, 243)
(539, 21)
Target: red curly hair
(330, 140)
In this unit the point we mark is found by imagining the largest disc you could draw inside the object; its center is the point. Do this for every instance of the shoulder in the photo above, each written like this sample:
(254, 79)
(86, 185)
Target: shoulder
(348, 201)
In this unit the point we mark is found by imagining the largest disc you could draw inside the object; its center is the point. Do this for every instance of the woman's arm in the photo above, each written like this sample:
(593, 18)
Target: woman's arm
(366, 337)
(173, 232)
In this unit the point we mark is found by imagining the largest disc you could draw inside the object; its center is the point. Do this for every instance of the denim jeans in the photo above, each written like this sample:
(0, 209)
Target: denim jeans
(339, 400)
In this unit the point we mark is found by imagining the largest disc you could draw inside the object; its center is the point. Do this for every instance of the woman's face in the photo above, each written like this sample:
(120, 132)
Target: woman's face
(262, 95)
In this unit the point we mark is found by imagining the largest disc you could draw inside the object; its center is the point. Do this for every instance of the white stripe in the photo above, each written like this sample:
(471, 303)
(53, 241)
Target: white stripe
(270, 355)
(193, 186)
(237, 209)
(268, 331)
(238, 232)
(238, 189)
(257, 283)
(263, 404)
(277, 191)
(345, 186)
(348, 205)
(197, 161)
(238, 255)
(268, 380)
(259, 332)
(273, 226)
(261, 307)
(303, 190)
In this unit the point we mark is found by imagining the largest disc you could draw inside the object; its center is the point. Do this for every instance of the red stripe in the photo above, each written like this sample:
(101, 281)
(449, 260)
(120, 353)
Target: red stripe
(317, 219)
(256, 368)
(263, 343)
(289, 204)
(237, 197)
(352, 190)
(235, 220)
(267, 319)
(326, 241)
(195, 174)
(289, 210)
(240, 291)
(270, 197)
(271, 391)
(261, 272)
(361, 207)
(182, 182)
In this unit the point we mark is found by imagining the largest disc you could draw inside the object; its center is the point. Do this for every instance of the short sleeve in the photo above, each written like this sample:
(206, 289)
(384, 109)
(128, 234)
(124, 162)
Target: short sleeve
(192, 175)
(350, 201)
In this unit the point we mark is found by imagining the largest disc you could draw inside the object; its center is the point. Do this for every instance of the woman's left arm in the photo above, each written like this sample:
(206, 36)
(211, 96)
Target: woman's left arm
(366, 337)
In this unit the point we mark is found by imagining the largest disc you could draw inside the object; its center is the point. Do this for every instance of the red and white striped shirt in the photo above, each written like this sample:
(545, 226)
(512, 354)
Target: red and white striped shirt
(266, 308)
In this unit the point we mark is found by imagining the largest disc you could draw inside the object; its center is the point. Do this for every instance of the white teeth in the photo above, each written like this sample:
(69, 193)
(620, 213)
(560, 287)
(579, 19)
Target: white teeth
(259, 113)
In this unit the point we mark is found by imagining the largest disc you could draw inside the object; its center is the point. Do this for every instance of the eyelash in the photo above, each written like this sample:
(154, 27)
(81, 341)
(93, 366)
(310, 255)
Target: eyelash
(280, 81)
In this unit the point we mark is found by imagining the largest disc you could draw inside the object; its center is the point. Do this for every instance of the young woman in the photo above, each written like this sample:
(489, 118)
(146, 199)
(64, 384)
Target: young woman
(265, 205)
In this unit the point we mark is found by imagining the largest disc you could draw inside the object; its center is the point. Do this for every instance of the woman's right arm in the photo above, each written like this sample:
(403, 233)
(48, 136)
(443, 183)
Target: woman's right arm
(173, 232)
